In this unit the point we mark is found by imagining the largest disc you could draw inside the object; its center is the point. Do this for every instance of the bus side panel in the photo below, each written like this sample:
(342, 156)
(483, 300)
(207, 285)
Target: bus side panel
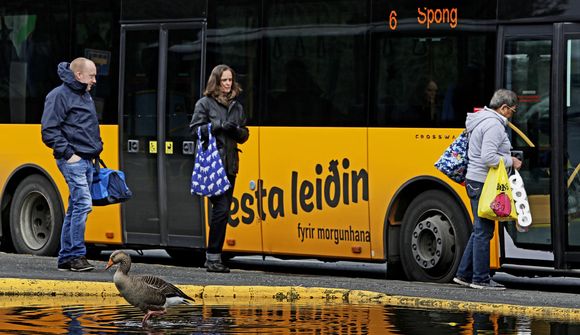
(494, 248)
(315, 191)
(245, 231)
(21, 144)
(397, 155)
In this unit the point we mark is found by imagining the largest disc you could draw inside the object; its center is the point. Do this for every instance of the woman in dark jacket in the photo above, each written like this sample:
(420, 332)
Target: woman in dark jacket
(228, 125)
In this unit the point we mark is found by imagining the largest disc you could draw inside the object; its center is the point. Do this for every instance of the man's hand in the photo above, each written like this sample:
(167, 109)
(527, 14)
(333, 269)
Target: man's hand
(516, 163)
(73, 159)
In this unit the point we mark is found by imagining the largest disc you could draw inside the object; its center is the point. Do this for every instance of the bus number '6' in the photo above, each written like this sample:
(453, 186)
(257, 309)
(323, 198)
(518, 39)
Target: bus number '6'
(393, 20)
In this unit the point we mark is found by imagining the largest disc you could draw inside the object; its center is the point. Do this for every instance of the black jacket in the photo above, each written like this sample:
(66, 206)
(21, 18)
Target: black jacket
(69, 121)
(208, 110)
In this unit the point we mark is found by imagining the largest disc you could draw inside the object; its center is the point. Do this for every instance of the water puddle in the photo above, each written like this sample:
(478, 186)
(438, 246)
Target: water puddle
(58, 315)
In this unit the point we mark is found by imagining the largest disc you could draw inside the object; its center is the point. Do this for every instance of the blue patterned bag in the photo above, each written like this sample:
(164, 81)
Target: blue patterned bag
(209, 176)
(453, 162)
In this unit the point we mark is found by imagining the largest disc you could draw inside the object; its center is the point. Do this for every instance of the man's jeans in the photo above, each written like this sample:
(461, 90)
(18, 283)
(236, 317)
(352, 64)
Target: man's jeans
(474, 264)
(79, 177)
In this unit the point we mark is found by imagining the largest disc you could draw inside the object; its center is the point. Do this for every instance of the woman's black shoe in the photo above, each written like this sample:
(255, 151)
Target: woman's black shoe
(216, 267)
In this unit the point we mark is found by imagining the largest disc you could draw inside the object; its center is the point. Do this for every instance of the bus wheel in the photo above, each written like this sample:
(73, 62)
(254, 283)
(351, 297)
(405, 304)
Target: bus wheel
(36, 217)
(433, 236)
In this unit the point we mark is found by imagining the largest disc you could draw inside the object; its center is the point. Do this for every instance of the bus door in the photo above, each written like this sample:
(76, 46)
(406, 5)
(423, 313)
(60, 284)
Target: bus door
(160, 79)
(525, 61)
(568, 128)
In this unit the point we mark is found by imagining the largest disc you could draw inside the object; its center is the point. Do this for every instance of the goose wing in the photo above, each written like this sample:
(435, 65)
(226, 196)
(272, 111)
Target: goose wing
(141, 294)
(164, 287)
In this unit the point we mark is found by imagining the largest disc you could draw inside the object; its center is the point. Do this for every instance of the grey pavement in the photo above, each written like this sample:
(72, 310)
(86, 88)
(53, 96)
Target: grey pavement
(540, 292)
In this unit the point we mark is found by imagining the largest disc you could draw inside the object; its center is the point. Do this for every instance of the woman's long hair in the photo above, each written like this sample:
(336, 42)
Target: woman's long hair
(213, 88)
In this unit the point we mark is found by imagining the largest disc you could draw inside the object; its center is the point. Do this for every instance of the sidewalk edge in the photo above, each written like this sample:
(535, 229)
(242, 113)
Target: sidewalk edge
(214, 295)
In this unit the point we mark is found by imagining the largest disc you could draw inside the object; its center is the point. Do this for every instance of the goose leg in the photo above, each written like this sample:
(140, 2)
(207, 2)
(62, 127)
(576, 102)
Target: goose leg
(149, 315)
(145, 318)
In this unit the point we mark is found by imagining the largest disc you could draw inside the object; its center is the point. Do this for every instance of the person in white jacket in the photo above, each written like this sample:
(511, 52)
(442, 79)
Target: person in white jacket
(488, 143)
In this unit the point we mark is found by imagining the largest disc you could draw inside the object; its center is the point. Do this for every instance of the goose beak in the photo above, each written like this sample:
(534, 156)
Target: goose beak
(109, 264)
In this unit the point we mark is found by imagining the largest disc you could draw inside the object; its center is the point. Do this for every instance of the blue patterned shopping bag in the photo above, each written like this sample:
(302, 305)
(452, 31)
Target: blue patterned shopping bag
(209, 176)
(453, 161)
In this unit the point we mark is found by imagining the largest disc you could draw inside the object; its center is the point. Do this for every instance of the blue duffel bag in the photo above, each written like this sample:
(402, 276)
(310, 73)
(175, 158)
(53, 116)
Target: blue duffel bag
(109, 186)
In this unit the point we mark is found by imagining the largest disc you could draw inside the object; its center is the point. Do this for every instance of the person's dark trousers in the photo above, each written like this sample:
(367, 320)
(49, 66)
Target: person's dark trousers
(474, 264)
(78, 176)
(219, 218)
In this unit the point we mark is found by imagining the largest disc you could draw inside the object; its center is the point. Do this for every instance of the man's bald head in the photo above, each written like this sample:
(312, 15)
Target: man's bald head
(79, 64)
(85, 71)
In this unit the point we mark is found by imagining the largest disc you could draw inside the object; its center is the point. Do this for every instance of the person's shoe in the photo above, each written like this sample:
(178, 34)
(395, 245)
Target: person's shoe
(80, 264)
(216, 267)
(461, 281)
(491, 285)
(64, 266)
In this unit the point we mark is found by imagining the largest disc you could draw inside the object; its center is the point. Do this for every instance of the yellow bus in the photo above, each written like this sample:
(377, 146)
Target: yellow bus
(350, 103)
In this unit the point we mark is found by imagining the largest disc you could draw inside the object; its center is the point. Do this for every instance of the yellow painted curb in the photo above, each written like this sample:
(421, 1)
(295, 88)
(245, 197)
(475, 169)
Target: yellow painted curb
(547, 313)
(38, 287)
(15, 291)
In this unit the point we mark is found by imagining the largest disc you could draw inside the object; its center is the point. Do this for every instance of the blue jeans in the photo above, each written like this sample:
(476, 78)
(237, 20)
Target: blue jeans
(79, 177)
(474, 264)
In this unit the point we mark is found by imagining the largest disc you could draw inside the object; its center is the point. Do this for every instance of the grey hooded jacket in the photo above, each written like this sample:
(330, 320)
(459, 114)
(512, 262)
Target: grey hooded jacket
(488, 143)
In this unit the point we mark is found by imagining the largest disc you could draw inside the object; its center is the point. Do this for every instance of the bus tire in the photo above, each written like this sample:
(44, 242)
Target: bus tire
(36, 217)
(434, 233)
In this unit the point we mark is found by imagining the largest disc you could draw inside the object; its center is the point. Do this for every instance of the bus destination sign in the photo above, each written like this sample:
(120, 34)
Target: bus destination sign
(429, 17)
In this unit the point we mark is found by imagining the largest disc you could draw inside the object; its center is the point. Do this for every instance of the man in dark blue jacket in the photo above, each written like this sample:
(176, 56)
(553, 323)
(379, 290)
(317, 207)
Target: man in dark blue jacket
(71, 128)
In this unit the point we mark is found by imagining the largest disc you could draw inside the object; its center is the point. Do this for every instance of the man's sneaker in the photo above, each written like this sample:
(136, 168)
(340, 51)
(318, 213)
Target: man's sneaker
(64, 266)
(491, 285)
(216, 267)
(81, 264)
(461, 281)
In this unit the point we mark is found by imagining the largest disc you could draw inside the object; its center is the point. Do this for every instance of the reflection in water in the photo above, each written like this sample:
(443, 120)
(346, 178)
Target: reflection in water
(113, 318)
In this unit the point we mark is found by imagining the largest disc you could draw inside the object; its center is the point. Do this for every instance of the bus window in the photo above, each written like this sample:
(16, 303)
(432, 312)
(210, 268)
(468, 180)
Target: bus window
(94, 24)
(238, 50)
(572, 139)
(153, 10)
(33, 40)
(527, 64)
(315, 71)
(430, 81)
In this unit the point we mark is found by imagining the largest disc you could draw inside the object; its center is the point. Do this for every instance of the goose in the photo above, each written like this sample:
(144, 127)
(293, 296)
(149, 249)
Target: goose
(149, 293)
